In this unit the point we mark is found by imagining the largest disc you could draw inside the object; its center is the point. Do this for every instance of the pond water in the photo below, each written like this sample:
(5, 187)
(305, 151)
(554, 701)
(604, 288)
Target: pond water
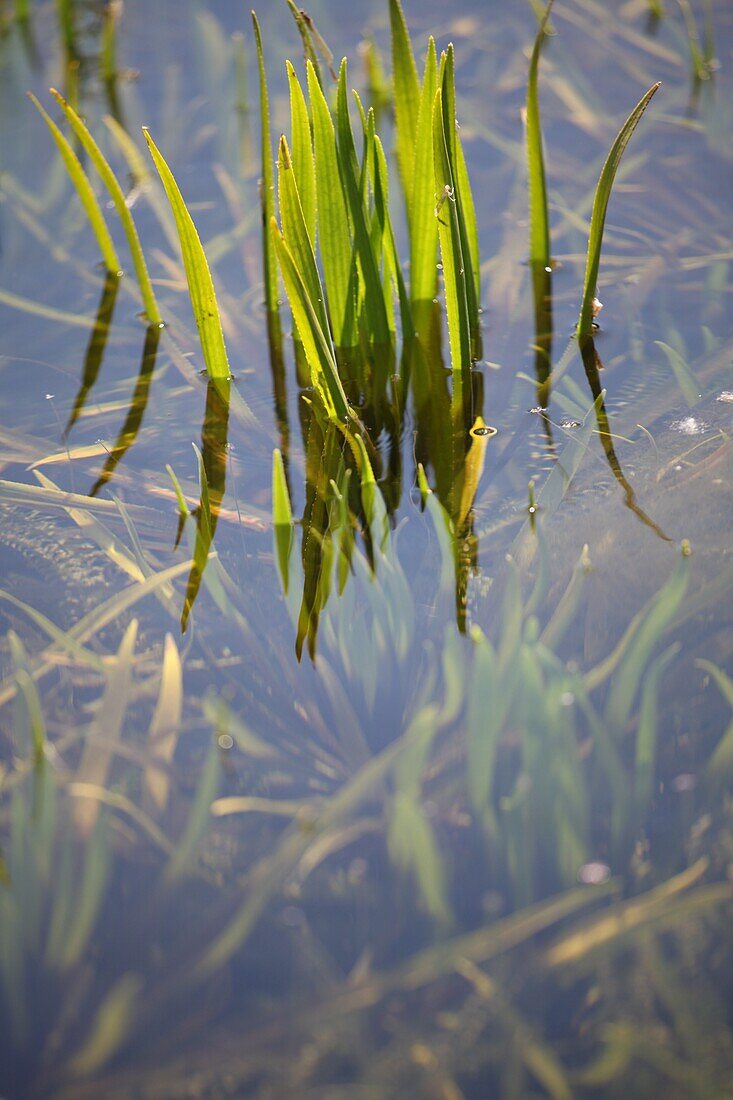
(422, 794)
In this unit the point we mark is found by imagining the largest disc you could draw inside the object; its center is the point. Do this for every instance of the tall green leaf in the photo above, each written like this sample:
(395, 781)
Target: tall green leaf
(302, 152)
(110, 181)
(423, 223)
(539, 224)
(316, 343)
(267, 196)
(198, 276)
(600, 206)
(454, 274)
(334, 234)
(406, 95)
(376, 321)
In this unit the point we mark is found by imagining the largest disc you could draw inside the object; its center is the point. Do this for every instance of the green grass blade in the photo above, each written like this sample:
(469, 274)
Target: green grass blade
(391, 255)
(198, 276)
(334, 233)
(302, 152)
(454, 274)
(423, 223)
(198, 818)
(84, 190)
(109, 179)
(464, 204)
(539, 222)
(406, 96)
(600, 206)
(376, 321)
(295, 235)
(282, 518)
(267, 196)
(316, 344)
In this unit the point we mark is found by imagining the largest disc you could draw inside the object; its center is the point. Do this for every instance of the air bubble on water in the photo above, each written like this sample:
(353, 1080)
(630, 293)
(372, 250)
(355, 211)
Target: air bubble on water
(50, 396)
(567, 699)
(548, 269)
(225, 741)
(438, 267)
(594, 874)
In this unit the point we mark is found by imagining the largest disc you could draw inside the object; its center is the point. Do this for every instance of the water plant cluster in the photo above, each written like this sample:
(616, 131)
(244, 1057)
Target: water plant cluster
(461, 875)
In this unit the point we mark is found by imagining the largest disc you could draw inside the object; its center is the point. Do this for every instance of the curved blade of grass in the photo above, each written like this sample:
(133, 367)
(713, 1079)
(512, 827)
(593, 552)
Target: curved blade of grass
(539, 222)
(200, 284)
(84, 190)
(406, 97)
(720, 765)
(449, 235)
(334, 234)
(302, 153)
(267, 194)
(109, 179)
(316, 344)
(198, 818)
(423, 224)
(600, 206)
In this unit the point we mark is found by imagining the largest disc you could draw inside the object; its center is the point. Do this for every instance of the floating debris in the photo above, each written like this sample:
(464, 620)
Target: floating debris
(726, 397)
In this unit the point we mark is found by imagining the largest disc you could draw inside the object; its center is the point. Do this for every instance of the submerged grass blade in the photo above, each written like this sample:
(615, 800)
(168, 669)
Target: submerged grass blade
(111, 182)
(198, 276)
(164, 727)
(539, 222)
(84, 190)
(600, 206)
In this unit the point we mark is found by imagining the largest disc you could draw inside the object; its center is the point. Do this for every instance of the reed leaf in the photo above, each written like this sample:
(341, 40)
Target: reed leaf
(375, 315)
(421, 208)
(282, 518)
(334, 233)
(84, 190)
(110, 181)
(267, 193)
(200, 284)
(465, 207)
(539, 222)
(406, 95)
(295, 234)
(164, 727)
(600, 206)
(302, 152)
(316, 343)
(449, 235)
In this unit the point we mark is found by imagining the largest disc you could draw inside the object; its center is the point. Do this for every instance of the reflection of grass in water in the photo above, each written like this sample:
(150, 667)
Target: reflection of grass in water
(433, 747)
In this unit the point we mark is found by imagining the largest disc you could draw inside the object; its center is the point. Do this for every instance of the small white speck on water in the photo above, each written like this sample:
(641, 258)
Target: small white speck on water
(567, 699)
(225, 741)
(594, 874)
